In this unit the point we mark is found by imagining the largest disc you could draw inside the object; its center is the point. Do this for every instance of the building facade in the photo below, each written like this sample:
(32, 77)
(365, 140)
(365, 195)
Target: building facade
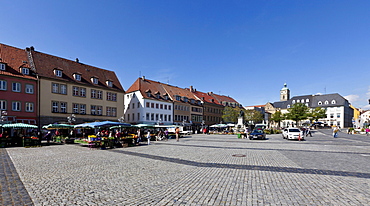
(69, 87)
(18, 86)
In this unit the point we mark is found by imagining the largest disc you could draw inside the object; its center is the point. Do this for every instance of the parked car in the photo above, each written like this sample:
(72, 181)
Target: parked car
(292, 133)
(257, 134)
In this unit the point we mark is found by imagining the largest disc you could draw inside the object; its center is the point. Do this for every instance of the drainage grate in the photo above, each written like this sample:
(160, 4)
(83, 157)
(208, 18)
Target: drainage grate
(239, 155)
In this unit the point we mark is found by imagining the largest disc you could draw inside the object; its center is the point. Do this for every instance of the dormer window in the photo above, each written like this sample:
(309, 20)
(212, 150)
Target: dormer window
(293, 101)
(326, 102)
(25, 71)
(192, 101)
(2, 66)
(186, 99)
(178, 98)
(109, 83)
(58, 72)
(165, 96)
(94, 80)
(333, 101)
(148, 93)
(77, 77)
(199, 102)
(319, 103)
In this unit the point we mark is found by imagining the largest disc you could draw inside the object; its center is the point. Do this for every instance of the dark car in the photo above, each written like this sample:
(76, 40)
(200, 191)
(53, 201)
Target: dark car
(257, 134)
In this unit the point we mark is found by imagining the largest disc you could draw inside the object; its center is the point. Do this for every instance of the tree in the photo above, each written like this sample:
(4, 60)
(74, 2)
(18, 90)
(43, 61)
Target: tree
(231, 114)
(297, 112)
(277, 117)
(253, 115)
(316, 114)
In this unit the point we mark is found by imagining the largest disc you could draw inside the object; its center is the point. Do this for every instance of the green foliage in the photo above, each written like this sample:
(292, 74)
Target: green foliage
(253, 115)
(297, 112)
(316, 114)
(277, 117)
(230, 114)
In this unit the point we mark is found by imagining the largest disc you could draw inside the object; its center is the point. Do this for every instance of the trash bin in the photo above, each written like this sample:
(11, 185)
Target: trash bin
(240, 136)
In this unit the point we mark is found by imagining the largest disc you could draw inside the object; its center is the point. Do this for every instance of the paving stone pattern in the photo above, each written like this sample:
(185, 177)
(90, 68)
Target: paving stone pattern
(198, 170)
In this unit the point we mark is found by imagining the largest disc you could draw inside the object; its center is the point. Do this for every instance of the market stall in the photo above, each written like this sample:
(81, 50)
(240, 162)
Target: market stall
(19, 134)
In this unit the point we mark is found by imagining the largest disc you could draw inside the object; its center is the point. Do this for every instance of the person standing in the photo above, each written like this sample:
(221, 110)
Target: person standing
(335, 131)
(138, 136)
(166, 134)
(308, 132)
(148, 136)
(177, 131)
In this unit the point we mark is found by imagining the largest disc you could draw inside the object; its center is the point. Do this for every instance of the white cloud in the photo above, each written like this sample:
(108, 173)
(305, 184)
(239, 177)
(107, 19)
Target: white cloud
(352, 98)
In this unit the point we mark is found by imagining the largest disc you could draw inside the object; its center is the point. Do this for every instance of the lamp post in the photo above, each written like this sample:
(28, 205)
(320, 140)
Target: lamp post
(202, 125)
(71, 118)
(121, 119)
(159, 121)
(2, 119)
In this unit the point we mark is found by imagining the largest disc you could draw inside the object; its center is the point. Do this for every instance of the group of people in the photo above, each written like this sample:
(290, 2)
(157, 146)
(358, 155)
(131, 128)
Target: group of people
(160, 135)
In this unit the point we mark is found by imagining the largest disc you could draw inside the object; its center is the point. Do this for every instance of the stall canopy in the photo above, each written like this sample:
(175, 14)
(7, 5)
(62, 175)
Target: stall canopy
(218, 125)
(100, 124)
(19, 125)
(58, 126)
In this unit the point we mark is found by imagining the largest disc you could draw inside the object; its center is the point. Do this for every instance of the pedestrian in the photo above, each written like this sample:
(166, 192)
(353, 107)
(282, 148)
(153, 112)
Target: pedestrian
(148, 136)
(177, 131)
(308, 132)
(48, 137)
(367, 130)
(138, 136)
(166, 134)
(335, 131)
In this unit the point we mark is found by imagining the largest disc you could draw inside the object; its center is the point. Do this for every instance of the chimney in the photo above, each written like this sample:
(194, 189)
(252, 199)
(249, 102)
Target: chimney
(191, 89)
(143, 77)
(32, 48)
(77, 60)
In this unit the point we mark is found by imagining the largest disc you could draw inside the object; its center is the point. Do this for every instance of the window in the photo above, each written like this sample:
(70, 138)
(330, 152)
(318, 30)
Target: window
(147, 104)
(138, 116)
(161, 106)
(93, 94)
(16, 87)
(55, 106)
(333, 102)
(76, 91)
(293, 101)
(152, 105)
(169, 118)
(29, 107)
(2, 85)
(75, 108)
(55, 88)
(331, 115)
(99, 94)
(63, 107)
(29, 88)
(99, 110)
(326, 102)
(93, 109)
(82, 92)
(82, 108)
(63, 89)
(157, 106)
(111, 111)
(25, 71)
(169, 108)
(178, 98)
(133, 105)
(2, 104)
(288, 106)
(147, 116)
(16, 106)
(109, 83)
(307, 100)
(58, 73)
(338, 115)
(95, 80)
(319, 103)
(152, 117)
(77, 77)
(2, 66)
(138, 105)
(111, 96)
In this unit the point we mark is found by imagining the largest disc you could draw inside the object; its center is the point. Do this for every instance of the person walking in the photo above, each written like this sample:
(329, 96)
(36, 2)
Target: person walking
(177, 131)
(166, 134)
(308, 132)
(367, 130)
(148, 136)
(138, 140)
(335, 131)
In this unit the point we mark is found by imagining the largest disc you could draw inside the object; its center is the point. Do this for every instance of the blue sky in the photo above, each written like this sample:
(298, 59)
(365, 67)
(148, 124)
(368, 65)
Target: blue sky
(243, 49)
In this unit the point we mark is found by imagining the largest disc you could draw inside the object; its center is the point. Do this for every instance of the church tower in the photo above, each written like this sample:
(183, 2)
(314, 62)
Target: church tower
(284, 93)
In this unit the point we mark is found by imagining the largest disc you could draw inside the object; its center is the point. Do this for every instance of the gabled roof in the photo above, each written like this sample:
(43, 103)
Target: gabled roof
(45, 65)
(206, 97)
(145, 85)
(223, 98)
(174, 91)
(14, 59)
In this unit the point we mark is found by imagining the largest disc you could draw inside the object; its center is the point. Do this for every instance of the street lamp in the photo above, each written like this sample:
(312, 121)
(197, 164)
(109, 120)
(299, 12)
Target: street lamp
(71, 118)
(159, 121)
(2, 119)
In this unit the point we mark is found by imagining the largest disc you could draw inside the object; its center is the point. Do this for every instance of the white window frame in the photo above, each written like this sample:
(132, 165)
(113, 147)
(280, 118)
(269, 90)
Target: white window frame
(16, 87)
(29, 107)
(333, 101)
(109, 83)
(29, 89)
(75, 108)
(2, 67)
(3, 85)
(54, 107)
(63, 107)
(55, 88)
(16, 106)
(82, 108)
(82, 92)
(25, 71)
(63, 88)
(95, 80)
(58, 73)
(3, 104)
(77, 77)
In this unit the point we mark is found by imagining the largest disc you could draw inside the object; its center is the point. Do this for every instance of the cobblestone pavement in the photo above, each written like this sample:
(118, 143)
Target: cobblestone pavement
(198, 170)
